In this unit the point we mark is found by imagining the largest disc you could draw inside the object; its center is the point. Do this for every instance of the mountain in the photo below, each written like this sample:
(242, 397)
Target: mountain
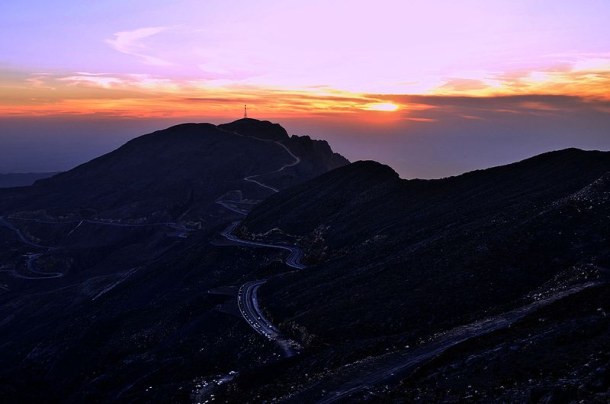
(483, 239)
(255, 128)
(395, 261)
(178, 172)
(237, 263)
(106, 269)
(21, 179)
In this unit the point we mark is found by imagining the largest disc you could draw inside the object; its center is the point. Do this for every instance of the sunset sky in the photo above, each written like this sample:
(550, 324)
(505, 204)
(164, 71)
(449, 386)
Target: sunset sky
(453, 84)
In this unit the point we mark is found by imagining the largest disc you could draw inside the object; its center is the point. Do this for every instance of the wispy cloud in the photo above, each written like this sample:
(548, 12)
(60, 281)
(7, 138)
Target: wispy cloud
(38, 80)
(132, 43)
(92, 79)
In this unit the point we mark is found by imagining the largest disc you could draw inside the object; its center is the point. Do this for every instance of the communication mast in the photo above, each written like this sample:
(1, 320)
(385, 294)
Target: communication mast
(245, 111)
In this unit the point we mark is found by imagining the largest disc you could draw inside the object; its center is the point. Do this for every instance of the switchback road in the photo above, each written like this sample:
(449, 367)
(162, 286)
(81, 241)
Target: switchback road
(247, 297)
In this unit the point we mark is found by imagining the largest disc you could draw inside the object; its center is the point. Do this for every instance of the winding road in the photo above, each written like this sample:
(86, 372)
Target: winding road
(250, 310)
(247, 296)
(293, 259)
(31, 257)
(296, 161)
(34, 274)
(251, 178)
(9, 225)
(30, 265)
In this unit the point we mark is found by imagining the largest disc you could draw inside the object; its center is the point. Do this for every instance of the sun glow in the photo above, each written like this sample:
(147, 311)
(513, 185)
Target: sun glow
(382, 106)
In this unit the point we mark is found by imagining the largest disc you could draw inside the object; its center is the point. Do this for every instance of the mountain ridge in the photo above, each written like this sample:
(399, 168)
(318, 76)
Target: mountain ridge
(167, 172)
(397, 264)
(358, 229)
(11, 180)
(547, 165)
(124, 280)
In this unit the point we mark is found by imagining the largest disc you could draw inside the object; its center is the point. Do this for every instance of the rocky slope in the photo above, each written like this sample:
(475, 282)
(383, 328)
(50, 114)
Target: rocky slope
(396, 262)
(116, 286)
(108, 271)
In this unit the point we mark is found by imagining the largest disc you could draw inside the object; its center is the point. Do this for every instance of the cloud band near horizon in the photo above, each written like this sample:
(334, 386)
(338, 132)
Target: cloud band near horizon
(192, 58)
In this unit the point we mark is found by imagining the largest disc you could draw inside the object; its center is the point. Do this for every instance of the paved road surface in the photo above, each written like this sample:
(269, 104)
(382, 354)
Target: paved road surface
(251, 178)
(296, 161)
(9, 225)
(32, 272)
(247, 300)
(247, 297)
(295, 253)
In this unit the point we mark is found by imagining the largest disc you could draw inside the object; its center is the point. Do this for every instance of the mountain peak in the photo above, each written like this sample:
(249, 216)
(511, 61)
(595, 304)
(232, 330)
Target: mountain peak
(372, 167)
(255, 128)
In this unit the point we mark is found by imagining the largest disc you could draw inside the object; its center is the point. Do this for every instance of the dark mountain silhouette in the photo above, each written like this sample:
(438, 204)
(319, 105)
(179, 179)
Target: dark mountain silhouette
(484, 238)
(177, 171)
(399, 260)
(253, 127)
(122, 279)
(127, 239)
(367, 196)
(21, 179)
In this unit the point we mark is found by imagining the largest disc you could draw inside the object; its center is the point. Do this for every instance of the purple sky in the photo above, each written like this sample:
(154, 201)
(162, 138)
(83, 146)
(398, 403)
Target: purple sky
(432, 88)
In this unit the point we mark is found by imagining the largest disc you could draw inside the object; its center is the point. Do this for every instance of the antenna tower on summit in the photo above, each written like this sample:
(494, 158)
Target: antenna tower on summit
(245, 111)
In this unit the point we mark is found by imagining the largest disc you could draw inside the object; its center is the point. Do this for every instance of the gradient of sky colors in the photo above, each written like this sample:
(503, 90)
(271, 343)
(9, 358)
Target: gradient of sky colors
(395, 66)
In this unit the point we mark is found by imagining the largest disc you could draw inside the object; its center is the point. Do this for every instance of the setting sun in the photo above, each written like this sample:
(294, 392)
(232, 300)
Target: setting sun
(382, 106)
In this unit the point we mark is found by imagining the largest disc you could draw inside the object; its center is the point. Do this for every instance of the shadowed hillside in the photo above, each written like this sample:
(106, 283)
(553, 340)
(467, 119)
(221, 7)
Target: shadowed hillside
(131, 278)
(21, 179)
(108, 271)
(176, 172)
(395, 261)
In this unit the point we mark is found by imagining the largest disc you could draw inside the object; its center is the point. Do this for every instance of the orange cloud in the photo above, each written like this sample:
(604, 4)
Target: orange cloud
(148, 96)
(145, 95)
(588, 77)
